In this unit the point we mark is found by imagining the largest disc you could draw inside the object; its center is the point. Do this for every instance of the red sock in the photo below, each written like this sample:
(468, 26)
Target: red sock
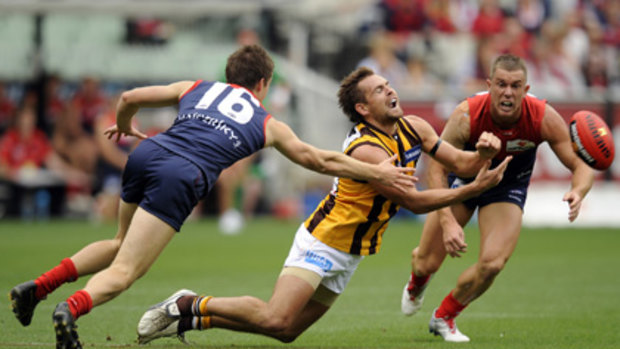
(417, 283)
(51, 280)
(80, 303)
(449, 308)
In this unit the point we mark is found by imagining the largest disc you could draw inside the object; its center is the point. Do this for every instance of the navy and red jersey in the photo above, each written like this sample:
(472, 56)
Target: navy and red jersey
(520, 141)
(217, 125)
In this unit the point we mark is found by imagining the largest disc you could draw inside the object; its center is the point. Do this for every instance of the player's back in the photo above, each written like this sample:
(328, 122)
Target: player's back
(217, 124)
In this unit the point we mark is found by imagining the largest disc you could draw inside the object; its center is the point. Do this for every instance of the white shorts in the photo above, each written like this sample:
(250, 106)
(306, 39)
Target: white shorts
(334, 266)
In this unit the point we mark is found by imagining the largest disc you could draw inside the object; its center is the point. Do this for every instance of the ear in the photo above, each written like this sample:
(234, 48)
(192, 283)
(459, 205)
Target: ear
(361, 108)
(527, 88)
(488, 83)
(260, 85)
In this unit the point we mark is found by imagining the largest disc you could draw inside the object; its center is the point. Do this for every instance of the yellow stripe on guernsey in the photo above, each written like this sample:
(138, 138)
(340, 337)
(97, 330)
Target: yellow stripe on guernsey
(353, 216)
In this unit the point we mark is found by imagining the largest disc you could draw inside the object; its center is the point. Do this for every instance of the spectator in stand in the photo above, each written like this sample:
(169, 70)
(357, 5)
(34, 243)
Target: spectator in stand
(515, 39)
(439, 16)
(55, 105)
(597, 69)
(112, 159)
(554, 73)
(88, 102)
(382, 59)
(27, 155)
(532, 14)
(78, 148)
(490, 19)
(423, 83)
(7, 108)
(403, 16)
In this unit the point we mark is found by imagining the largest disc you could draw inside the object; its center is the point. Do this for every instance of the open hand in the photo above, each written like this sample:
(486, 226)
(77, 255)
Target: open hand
(132, 131)
(574, 204)
(401, 178)
(487, 179)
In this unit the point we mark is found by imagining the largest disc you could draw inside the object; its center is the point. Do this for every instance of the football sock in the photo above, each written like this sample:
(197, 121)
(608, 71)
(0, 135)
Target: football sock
(449, 308)
(80, 303)
(417, 283)
(194, 323)
(185, 305)
(51, 280)
(199, 307)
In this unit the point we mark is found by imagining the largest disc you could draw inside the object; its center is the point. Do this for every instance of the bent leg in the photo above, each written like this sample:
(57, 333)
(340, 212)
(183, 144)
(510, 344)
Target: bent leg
(98, 255)
(289, 311)
(428, 256)
(500, 227)
(145, 239)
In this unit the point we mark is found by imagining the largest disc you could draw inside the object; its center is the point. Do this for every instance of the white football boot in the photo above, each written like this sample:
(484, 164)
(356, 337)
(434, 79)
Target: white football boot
(408, 305)
(447, 329)
(162, 319)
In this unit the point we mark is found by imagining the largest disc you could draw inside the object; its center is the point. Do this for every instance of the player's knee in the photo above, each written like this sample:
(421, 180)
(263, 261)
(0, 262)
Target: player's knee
(287, 336)
(425, 263)
(123, 277)
(275, 324)
(490, 269)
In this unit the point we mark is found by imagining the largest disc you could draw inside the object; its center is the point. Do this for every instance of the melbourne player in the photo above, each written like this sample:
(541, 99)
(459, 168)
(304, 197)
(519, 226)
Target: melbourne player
(522, 122)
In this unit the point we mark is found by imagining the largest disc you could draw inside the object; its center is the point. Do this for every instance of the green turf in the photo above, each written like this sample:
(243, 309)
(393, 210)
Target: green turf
(561, 289)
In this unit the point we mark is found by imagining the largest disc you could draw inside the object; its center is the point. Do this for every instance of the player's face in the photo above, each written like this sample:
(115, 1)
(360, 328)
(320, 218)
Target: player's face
(507, 89)
(382, 102)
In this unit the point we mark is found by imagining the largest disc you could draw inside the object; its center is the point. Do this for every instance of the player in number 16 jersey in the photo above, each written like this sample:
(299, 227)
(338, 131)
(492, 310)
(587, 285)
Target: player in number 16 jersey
(166, 176)
(217, 125)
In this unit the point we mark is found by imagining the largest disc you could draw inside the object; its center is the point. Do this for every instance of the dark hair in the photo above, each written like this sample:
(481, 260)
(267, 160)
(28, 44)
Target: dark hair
(246, 66)
(508, 62)
(349, 93)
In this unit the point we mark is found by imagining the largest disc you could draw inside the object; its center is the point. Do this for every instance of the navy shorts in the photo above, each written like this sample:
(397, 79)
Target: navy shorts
(515, 193)
(162, 183)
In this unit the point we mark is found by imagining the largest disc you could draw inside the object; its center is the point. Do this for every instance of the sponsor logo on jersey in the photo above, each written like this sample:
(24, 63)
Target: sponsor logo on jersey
(216, 123)
(412, 154)
(319, 261)
(516, 145)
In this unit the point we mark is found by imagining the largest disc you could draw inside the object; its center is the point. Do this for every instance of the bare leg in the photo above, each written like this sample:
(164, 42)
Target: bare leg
(99, 255)
(500, 227)
(428, 256)
(289, 312)
(146, 238)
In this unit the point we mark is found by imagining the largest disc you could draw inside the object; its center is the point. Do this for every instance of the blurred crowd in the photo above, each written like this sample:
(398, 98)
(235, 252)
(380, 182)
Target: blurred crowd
(54, 158)
(427, 47)
(53, 152)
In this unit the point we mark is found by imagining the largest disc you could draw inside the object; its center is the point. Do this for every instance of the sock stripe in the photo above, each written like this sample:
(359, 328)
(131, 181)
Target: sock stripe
(199, 305)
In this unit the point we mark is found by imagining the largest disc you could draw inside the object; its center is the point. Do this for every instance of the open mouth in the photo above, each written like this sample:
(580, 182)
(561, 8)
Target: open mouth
(506, 105)
(393, 103)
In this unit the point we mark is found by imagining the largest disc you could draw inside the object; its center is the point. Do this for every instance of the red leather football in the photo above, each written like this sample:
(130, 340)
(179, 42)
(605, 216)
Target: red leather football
(592, 139)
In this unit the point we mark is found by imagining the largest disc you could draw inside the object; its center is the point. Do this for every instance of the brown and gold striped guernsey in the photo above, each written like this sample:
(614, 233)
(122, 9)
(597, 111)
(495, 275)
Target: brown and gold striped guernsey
(353, 216)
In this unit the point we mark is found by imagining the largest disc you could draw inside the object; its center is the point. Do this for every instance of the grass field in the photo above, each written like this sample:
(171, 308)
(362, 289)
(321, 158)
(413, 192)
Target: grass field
(561, 289)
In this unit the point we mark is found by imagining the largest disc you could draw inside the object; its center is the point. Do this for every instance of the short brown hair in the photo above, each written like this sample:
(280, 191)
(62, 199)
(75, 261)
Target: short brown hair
(246, 66)
(508, 62)
(349, 93)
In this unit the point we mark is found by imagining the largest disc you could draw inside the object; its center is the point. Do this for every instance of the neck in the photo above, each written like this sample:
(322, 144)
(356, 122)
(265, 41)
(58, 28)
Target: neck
(387, 126)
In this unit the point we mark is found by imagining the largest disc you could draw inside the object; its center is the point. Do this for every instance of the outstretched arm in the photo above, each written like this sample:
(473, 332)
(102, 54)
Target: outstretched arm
(149, 97)
(428, 200)
(280, 136)
(555, 132)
